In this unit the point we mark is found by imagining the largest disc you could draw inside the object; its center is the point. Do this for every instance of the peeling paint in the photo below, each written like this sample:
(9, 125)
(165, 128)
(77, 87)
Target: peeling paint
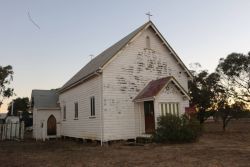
(147, 60)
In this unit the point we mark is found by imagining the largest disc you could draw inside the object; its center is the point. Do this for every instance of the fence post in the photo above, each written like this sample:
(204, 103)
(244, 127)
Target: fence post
(8, 131)
(15, 130)
(11, 135)
(22, 130)
(4, 131)
(0, 131)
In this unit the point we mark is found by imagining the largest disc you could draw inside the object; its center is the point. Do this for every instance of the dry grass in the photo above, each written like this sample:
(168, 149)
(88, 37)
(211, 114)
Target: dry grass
(214, 148)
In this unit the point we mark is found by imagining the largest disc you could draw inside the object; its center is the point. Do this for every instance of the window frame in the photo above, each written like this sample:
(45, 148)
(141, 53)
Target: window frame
(92, 107)
(148, 42)
(76, 106)
(170, 108)
(64, 112)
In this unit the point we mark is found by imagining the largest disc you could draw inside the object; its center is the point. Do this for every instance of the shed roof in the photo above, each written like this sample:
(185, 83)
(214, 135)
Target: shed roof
(45, 98)
(155, 86)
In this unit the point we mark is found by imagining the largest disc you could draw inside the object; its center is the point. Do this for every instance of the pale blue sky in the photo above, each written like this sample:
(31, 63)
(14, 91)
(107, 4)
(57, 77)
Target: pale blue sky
(198, 30)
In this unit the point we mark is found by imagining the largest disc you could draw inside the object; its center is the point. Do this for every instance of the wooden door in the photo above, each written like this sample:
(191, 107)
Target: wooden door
(149, 116)
(51, 125)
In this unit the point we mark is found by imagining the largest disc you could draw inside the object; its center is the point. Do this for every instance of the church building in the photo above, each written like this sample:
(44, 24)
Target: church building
(119, 94)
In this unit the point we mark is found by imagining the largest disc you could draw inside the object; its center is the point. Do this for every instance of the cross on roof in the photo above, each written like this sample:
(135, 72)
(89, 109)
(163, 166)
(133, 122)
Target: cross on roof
(149, 15)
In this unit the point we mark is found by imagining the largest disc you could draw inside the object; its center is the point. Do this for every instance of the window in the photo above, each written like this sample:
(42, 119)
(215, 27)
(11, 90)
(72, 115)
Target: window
(170, 108)
(64, 112)
(92, 106)
(147, 42)
(76, 110)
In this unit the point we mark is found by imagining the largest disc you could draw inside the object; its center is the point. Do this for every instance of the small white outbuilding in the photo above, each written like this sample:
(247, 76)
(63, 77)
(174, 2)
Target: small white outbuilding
(12, 119)
(46, 114)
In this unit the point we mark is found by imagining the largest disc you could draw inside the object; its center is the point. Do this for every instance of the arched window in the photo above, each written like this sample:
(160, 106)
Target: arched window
(147, 42)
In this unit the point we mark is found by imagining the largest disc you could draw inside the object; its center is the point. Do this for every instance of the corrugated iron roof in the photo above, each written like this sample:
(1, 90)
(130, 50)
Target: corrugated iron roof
(45, 98)
(101, 59)
(155, 86)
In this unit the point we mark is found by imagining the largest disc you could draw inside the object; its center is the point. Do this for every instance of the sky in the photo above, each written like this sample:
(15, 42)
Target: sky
(70, 31)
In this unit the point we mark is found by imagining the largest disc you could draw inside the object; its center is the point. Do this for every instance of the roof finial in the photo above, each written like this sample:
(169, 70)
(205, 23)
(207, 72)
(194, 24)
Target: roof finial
(149, 15)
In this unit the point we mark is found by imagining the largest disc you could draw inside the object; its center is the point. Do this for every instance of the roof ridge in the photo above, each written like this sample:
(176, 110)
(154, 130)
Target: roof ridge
(94, 65)
(102, 58)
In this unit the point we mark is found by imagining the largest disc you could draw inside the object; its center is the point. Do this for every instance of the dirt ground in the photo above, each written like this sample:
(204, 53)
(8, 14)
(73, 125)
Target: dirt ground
(214, 149)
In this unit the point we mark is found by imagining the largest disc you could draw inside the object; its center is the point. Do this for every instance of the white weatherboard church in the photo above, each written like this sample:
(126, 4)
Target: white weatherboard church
(119, 94)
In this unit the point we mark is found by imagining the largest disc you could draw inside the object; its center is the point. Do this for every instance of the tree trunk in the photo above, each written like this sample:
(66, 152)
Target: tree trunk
(201, 116)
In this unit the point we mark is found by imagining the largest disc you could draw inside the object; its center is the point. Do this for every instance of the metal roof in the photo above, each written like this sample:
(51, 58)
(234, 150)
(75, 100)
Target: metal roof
(99, 61)
(155, 86)
(45, 98)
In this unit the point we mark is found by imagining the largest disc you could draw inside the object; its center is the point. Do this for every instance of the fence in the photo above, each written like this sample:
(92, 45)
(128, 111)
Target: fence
(12, 131)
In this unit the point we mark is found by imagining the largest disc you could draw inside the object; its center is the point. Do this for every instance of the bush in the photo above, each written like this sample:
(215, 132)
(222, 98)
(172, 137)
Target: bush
(176, 129)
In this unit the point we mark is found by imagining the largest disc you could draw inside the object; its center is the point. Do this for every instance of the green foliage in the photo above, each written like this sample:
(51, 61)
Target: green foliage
(216, 91)
(234, 71)
(28, 121)
(205, 115)
(6, 76)
(235, 111)
(204, 90)
(21, 104)
(176, 129)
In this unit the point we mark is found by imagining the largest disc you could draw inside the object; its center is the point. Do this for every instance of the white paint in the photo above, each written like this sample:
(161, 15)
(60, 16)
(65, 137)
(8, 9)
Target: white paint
(85, 126)
(170, 95)
(12, 130)
(40, 118)
(12, 119)
(127, 74)
(123, 77)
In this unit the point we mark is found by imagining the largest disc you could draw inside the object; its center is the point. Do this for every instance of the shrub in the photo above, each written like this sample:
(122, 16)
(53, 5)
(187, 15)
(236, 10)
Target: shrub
(177, 129)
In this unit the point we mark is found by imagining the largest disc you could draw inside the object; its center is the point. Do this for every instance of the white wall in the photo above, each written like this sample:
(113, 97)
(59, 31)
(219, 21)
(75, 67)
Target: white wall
(126, 75)
(85, 127)
(35, 126)
(171, 94)
(12, 119)
(41, 117)
(166, 95)
(140, 118)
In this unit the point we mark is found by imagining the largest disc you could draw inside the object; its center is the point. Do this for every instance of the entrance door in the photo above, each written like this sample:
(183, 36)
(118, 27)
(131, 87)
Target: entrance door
(51, 125)
(149, 116)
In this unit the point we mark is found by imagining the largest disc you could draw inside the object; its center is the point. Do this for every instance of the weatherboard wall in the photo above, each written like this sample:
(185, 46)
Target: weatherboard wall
(85, 126)
(35, 123)
(126, 75)
(170, 94)
(40, 118)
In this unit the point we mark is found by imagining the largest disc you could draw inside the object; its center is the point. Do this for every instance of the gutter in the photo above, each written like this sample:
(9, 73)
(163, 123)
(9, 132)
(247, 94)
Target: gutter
(145, 99)
(80, 81)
